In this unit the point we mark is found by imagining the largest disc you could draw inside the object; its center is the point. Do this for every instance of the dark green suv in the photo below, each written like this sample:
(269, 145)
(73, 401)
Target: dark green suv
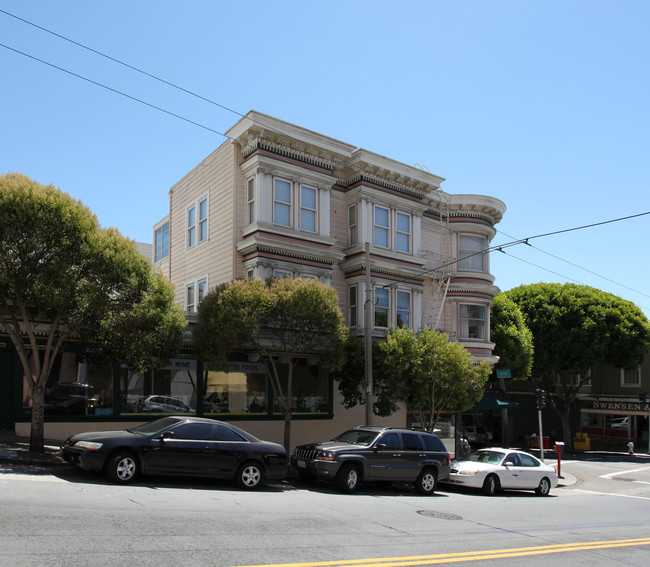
(376, 454)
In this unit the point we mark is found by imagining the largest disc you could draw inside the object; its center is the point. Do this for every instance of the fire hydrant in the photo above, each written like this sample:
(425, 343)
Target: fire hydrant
(630, 448)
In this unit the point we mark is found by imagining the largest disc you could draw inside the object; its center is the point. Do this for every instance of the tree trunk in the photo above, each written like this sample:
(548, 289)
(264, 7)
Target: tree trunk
(287, 432)
(36, 441)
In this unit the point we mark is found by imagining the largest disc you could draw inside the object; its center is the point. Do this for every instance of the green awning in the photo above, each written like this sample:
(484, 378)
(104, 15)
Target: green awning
(494, 402)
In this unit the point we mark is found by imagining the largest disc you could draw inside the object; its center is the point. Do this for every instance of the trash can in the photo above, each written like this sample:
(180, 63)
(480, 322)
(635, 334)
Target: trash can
(581, 442)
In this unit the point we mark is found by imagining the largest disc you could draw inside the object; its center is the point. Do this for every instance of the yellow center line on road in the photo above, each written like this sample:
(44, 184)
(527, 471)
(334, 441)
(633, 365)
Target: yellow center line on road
(468, 556)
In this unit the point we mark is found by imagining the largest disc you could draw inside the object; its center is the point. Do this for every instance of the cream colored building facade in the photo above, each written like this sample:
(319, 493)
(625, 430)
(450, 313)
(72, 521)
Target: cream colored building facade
(278, 200)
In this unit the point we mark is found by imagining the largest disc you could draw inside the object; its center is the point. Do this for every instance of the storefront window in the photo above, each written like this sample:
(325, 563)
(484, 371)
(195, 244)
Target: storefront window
(171, 389)
(310, 391)
(76, 387)
(241, 391)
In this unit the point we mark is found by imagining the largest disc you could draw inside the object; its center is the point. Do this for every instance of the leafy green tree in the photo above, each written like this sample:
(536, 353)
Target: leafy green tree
(512, 338)
(282, 322)
(427, 372)
(63, 276)
(576, 330)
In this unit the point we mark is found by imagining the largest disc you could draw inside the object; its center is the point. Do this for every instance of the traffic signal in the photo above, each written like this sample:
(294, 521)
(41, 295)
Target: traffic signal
(540, 395)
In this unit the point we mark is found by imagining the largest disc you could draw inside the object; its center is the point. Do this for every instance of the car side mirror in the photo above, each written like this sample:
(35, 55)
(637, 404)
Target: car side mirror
(167, 435)
(508, 464)
(380, 447)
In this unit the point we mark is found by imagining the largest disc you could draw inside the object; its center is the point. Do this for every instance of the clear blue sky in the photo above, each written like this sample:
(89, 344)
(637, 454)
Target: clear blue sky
(542, 104)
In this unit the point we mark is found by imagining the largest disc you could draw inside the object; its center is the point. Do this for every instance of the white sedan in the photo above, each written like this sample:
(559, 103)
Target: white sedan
(493, 469)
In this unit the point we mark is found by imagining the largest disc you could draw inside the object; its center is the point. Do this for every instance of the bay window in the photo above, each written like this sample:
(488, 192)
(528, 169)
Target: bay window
(471, 252)
(308, 208)
(472, 321)
(282, 202)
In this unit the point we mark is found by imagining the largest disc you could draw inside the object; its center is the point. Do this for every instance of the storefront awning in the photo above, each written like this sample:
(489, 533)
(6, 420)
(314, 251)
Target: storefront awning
(494, 402)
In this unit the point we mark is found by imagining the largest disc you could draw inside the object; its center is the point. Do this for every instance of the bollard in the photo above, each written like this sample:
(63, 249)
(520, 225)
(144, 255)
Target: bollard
(559, 449)
(630, 448)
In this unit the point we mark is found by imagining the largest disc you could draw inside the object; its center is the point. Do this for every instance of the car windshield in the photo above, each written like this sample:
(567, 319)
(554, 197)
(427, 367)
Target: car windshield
(491, 457)
(357, 436)
(155, 426)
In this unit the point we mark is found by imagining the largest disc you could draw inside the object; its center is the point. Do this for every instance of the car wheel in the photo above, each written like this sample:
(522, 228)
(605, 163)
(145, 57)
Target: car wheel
(544, 487)
(491, 485)
(426, 482)
(250, 476)
(348, 478)
(123, 467)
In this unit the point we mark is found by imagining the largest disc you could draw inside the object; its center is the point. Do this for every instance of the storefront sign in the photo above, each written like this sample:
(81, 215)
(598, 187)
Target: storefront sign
(619, 406)
(247, 367)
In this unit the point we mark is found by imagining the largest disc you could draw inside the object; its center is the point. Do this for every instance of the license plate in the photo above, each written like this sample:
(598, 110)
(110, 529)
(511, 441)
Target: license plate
(302, 465)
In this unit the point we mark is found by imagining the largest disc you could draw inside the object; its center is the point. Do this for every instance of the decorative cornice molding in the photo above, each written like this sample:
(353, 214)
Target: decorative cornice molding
(306, 154)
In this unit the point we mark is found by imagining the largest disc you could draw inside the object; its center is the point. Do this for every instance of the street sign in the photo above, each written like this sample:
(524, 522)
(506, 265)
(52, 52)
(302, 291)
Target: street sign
(503, 373)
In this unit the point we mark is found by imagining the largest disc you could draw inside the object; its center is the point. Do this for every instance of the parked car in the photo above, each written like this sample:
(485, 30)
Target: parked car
(179, 445)
(476, 435)
(493, 469)
(165, 404)
(376, 454)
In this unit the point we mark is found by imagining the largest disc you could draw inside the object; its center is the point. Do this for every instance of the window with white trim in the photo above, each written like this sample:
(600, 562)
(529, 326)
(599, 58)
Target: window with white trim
(191, 227)
(195, 292)
(403, 308)
(631, 378)
(471, 252)
(402, 232)
(282, 202)
(382, 226)
(250, 201)
(353, 230)
(197, 222)
(308, 208)
(382, 307)
(161, 245)
(352, 306)
(472, 321)
(282, 274)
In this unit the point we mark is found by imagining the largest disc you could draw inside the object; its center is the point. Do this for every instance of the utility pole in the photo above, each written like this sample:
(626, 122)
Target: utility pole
(367, 306)
(541, 403)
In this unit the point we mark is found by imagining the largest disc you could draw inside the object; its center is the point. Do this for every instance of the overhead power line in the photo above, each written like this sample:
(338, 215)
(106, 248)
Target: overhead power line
(114, 90)
(119, 62)
(133, 68)
(501, 247)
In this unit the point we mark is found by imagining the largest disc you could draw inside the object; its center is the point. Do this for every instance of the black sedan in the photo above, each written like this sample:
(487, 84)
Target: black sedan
(183, 446)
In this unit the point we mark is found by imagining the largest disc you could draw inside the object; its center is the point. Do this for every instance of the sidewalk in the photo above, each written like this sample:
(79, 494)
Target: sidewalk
(14, 449)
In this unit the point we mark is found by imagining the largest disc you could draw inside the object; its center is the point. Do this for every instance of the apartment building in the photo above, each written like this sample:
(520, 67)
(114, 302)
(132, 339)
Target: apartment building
(278, 200)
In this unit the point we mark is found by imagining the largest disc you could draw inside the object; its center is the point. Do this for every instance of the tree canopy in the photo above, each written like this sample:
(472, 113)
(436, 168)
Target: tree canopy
(284, 320)
(427, 372)
(62, 276)
(576, 330)
(513, 339)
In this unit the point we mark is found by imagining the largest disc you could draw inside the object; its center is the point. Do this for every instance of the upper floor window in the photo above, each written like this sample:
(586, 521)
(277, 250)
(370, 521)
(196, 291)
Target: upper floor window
(282, 202)
(352, 306)
(195, 293)
(382, 306)
(161, 245)
(308, 208)
(631, 377)
(472, 321)
(191, 227)
(197, 222)
(203, 220)
(250, 201)
(403, 232)
(471, 252)
(403, 304)
(382, 226)
(353, 231)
